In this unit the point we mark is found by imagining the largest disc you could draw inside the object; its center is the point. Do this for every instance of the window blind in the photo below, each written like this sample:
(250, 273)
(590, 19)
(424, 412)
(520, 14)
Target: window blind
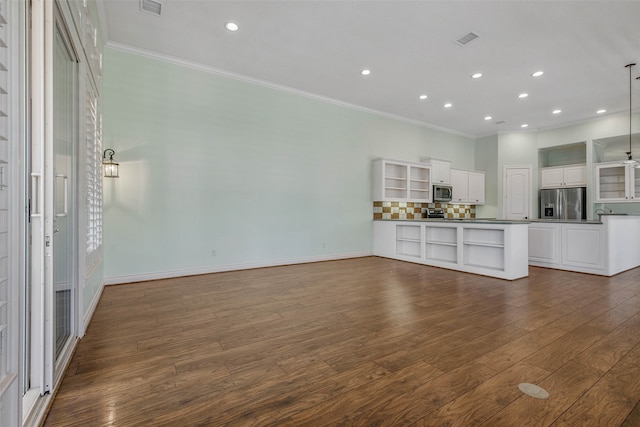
(5, 190)
(94, 171)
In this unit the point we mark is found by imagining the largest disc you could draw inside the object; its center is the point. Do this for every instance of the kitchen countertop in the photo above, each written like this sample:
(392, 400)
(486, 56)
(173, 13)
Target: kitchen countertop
(568, 221)
(500, 221)
(462, 220)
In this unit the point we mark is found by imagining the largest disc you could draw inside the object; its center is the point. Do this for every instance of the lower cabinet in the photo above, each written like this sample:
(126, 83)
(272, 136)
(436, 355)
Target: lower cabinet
(408, 240)
(495, 250)
(566, 246)
(441, 244)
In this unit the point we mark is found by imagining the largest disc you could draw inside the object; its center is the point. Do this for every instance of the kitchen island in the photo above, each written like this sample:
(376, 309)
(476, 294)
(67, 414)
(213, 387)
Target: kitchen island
(604, 247)
(496, 248)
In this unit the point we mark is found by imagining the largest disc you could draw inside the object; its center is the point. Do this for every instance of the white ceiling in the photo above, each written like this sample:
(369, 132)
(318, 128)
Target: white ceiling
(319, 47)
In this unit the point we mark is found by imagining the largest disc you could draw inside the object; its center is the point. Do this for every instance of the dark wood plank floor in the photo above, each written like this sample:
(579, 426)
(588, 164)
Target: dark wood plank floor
(367, 341)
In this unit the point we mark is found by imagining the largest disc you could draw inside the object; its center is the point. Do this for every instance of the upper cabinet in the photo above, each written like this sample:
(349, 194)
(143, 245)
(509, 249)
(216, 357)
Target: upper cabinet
(476, 188)
(459, 186)
(395, 180)
(565, 176)
(467, 187)
(440, 170)
(617, 182)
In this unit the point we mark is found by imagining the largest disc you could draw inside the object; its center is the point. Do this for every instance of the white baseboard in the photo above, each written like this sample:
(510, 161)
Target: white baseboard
(129, 278)
(92, 307)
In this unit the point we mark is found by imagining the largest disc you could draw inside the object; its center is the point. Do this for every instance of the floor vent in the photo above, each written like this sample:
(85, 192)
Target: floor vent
(461, 41)
(151, 6)
(533, 390)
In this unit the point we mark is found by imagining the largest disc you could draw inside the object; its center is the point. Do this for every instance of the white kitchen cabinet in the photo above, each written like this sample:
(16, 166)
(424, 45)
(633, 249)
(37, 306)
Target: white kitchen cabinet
(408, 240)
(583, 245)
(605, 248)
(569, 246)
(441, 244)
(476, 188)
(467, 187)
(440, 170)
(459, 186)
(492, 249)
(566, 176)
(419, 183)
(401, 181)
(545, 243)
(617, 182)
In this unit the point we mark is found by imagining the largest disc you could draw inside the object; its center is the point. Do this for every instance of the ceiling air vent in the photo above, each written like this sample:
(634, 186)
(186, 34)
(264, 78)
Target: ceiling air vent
(151, 6)
(501, 122)
(461, 41)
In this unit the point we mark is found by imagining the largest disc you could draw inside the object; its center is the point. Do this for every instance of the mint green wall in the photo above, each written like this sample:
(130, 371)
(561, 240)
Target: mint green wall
(254, 173)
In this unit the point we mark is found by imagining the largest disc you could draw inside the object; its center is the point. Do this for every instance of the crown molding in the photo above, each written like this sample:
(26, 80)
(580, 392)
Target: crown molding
(223, 73)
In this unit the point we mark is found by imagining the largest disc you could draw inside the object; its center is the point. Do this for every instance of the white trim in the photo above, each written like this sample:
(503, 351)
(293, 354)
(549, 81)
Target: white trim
(39, 407)
(102, 20)
(128, 278)
(204, 68)
(90, 310)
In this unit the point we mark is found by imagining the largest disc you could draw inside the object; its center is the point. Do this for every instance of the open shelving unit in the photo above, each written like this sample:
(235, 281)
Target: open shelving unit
(419, 183)
(408, 238)
(395, 181)
(401, 181)
(441, 244)
(497, 249)
(484, 248)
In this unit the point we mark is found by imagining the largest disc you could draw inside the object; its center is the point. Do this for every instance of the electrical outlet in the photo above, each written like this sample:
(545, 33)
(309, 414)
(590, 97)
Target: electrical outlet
(213, 252)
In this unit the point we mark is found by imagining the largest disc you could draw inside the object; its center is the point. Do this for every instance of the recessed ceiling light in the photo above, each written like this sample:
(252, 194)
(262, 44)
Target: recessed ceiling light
(476, 75)
(523, 95)
(488, 118)
(557, 111)
(231, 26)
(537, 74)
(524, 125)
(601, 111)
(365, 72)
(423, 97)
(448, 105)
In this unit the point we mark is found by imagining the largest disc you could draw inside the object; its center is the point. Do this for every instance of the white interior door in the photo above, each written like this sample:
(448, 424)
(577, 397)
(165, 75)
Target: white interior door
(516, 192)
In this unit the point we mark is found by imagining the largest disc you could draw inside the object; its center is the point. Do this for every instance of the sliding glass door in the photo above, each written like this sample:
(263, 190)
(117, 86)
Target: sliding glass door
(50, 301)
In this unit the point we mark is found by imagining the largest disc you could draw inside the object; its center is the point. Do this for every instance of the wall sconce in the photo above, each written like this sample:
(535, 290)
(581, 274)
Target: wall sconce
(109, 165)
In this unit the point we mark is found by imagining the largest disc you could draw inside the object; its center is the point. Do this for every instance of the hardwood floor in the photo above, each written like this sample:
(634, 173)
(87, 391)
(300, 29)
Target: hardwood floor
(364, 342)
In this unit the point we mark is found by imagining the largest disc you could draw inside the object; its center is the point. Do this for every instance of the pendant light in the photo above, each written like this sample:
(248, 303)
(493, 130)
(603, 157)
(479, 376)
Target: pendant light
(637, 166)
(630, 160)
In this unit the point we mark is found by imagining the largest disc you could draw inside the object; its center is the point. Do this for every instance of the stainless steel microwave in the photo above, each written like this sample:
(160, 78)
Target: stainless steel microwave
(442, 193)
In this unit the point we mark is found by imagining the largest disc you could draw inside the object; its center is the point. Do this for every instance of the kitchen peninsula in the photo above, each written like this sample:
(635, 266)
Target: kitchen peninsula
(605, 247)
(496, 248)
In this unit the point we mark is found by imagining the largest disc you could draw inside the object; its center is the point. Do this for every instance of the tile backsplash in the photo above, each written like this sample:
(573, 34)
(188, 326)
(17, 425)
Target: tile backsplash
(412, 210)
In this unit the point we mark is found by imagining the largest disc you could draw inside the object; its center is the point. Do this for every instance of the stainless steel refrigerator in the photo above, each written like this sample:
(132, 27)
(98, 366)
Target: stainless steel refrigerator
(563, 203)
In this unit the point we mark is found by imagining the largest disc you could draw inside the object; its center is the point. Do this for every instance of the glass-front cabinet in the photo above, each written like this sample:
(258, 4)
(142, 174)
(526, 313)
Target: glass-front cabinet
(617, 182)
